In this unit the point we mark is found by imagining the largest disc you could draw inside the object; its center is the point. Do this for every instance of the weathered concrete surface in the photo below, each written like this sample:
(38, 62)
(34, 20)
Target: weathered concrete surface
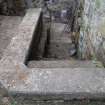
(92, 32)
(58, 83)
(71, 63)
(20, 44)
(8, 25)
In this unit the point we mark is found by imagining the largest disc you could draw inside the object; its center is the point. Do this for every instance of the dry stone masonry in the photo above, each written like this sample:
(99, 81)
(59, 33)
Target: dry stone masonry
(92, 34)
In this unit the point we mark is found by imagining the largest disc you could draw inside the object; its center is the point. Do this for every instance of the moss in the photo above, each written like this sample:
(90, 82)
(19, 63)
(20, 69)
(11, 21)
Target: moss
(14, 103)
(101, 29)
(98, 4)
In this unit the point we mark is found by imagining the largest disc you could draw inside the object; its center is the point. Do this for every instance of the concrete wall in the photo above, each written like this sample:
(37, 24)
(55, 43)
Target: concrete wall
(92, 33)
(34, 49)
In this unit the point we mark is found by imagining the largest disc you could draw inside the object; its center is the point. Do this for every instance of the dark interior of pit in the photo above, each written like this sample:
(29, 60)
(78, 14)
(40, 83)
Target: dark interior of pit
(59, 38)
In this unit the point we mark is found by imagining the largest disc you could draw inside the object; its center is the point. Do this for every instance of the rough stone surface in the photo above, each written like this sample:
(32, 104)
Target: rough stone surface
(92, 34)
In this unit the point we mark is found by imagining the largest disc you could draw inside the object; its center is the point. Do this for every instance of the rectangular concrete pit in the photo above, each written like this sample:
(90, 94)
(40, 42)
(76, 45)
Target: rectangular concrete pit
(48, 83)
(53, 50)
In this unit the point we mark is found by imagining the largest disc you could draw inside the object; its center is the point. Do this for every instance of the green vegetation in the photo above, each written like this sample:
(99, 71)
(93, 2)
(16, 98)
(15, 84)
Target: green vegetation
(98, 4)
(14, 103)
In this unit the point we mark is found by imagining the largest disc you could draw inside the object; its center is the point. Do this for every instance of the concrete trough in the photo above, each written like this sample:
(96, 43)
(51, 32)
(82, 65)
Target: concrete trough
(47, 83)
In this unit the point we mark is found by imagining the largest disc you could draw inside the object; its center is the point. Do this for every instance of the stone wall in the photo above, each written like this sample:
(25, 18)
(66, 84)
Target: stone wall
(12, 7)
(92, 33)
